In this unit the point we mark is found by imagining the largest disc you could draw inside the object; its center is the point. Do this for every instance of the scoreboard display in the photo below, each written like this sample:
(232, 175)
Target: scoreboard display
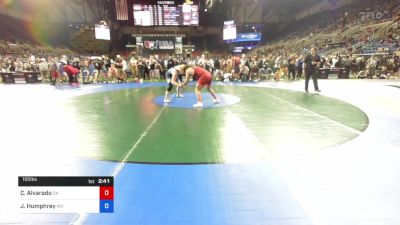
(166, 13)
(65, 194)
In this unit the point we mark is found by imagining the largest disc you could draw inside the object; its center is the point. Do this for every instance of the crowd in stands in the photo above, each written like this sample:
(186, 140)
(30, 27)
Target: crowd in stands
(359, 40)
(55, 66)
(363, 38)
(277, 66)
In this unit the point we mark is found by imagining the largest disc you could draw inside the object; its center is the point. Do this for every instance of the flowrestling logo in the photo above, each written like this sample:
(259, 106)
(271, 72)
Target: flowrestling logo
(149, 44)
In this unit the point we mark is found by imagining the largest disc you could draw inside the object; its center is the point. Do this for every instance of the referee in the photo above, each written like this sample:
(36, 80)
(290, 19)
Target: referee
(311, 65)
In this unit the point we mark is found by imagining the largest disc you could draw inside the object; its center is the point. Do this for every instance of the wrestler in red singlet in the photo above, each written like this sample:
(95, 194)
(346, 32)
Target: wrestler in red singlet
(203, 76)
(204, 80)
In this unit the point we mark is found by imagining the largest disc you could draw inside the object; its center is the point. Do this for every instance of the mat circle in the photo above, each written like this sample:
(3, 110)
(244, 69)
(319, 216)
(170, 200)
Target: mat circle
(190, 99)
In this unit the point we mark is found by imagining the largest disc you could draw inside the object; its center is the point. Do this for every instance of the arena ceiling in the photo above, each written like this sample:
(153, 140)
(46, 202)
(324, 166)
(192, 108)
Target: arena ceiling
(256, 11)
(71, 11)
(91, 10)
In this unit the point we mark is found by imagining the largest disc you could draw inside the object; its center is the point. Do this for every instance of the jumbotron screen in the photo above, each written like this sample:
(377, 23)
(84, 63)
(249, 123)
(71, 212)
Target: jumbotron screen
(229, 30)
(102, 32)
(166, 15)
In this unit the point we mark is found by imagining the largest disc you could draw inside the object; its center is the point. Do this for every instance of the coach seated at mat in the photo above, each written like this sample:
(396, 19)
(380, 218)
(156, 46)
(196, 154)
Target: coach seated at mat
(385, 74)
(3, 67)
(226, 77)
(363, 74)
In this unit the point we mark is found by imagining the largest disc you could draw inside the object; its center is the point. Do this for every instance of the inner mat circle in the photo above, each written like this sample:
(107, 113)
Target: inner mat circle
(190, 98)
(265, 123)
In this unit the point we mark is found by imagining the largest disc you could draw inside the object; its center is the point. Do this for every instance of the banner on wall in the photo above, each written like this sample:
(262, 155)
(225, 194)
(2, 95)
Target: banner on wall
(161, 45)
(139, 41)
(20, 77)
(371, 15)
(178, 45)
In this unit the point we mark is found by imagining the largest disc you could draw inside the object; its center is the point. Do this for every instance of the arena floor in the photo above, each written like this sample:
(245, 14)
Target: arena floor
(268, 154)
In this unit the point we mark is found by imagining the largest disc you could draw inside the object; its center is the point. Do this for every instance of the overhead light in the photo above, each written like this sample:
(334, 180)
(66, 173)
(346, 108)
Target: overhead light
(205, 10)
(253, 27)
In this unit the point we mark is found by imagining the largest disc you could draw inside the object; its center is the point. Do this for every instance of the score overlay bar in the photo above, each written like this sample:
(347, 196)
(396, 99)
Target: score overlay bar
(65, 194)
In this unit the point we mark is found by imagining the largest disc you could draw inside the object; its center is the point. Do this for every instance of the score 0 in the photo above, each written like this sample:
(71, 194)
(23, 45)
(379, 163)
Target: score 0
(106, 199)
(106, 195)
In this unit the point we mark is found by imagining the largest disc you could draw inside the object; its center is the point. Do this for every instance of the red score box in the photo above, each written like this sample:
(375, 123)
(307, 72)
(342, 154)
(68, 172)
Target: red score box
(106, 193)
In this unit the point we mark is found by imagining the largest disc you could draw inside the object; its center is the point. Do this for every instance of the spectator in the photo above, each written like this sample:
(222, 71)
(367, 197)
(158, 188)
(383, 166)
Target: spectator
(44, 69)
(299, 65)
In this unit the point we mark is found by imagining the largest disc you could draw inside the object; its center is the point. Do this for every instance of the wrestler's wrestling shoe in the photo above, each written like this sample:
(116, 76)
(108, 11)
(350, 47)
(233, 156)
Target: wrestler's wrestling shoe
(198, 105)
